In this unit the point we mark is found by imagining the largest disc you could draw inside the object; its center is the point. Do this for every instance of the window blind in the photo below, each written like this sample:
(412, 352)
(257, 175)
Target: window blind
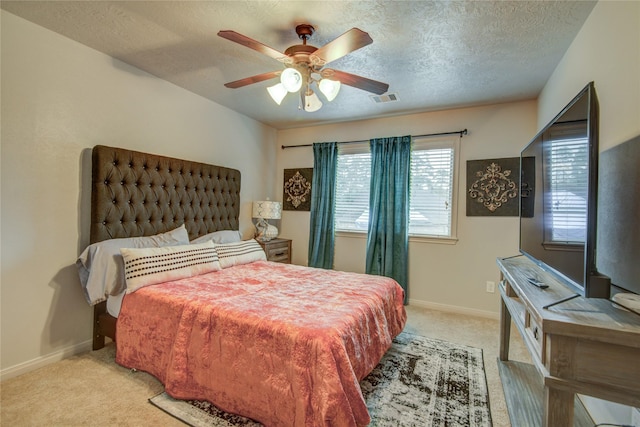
(353, 178)
(431, 190)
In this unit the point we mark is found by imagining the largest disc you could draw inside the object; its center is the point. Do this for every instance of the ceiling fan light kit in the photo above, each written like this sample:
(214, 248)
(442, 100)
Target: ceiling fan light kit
(291, 79)
(304, 67)
(329, 88)
(311, 102)
(277, 92)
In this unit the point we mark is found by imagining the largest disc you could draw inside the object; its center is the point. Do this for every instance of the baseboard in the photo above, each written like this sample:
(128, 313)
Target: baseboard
(454, 309)
(39, 362)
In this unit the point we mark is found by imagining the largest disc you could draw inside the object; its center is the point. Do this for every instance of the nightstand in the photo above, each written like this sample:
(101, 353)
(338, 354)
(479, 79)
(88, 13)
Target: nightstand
(277, 250)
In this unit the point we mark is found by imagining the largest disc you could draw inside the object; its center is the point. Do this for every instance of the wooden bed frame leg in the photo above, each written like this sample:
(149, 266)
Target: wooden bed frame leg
(98, 338)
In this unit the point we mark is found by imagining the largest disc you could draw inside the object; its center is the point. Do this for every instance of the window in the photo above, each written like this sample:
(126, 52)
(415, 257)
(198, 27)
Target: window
(352, 188)
(432, 171)
(431, 206)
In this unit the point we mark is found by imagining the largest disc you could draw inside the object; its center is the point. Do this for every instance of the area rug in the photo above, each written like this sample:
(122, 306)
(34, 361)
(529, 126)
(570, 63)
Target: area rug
(419, 382)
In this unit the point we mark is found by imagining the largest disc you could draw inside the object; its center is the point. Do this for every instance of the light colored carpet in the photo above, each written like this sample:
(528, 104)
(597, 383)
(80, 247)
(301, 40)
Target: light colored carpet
(66, 393)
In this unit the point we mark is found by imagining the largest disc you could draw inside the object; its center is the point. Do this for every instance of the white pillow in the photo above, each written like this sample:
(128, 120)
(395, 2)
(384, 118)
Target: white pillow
(238, 253)
(100, 264)
(222, 236)
(149, 266)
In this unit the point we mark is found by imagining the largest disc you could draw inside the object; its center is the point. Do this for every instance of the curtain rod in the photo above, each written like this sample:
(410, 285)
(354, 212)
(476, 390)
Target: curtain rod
(458, 132)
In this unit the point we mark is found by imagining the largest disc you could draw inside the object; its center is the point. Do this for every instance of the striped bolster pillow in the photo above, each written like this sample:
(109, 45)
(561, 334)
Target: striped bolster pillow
(150, 266)
(238, 253)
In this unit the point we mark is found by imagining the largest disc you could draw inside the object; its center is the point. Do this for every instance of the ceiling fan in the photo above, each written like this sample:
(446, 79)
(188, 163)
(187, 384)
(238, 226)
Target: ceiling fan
(304, 67)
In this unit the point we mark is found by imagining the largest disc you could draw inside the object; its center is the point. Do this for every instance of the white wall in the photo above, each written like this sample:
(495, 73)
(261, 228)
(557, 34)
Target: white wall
(607, 52)
(59, 99)
(440, 275)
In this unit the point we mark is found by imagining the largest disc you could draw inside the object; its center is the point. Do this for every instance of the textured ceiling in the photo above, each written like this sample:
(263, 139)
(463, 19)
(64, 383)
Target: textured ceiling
(433, 55)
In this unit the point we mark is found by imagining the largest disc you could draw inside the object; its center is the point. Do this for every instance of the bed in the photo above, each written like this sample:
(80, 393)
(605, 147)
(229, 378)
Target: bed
(285, 345)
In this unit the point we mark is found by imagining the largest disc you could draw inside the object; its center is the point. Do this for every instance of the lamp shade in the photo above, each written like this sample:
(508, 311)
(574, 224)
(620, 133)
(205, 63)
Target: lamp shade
(267, 209)
(312, 102)
(277, 92)
(329, 88)
(291, 79)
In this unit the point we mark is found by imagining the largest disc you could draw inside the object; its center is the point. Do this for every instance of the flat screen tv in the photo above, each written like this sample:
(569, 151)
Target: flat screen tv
(558, 196)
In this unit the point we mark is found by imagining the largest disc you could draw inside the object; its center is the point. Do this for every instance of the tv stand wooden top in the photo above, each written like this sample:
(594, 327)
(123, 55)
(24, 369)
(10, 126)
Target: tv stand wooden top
(583, 345)
(588, 317)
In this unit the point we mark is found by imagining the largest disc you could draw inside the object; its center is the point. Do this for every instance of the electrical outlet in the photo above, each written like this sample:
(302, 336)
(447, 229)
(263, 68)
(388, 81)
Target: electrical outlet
(491, 286)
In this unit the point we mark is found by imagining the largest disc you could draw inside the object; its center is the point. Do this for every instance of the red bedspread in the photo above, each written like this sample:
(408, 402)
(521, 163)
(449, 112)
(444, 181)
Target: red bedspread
(282, 344)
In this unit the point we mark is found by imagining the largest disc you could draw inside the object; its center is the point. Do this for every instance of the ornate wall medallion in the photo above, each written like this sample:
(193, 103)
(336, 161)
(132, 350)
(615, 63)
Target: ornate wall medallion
(297, 189)
(492, 187)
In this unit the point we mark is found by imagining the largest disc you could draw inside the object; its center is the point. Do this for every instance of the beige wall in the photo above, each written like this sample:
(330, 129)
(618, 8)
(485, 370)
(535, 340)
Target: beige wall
(607, 52)
(447, 276)
(59, 99)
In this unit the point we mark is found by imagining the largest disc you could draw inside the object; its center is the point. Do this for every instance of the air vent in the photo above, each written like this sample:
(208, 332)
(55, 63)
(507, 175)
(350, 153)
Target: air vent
(389, 97)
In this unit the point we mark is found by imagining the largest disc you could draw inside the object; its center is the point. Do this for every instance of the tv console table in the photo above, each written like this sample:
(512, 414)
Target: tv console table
(584, 346)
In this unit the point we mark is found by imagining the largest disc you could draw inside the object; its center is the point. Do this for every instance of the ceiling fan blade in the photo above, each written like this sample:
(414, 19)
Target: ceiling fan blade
(352, 40)
(252, 44)
(253, 79)
(360, 82)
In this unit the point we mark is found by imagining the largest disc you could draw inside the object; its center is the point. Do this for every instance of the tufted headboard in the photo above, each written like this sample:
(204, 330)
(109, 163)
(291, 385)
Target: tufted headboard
(140, 194)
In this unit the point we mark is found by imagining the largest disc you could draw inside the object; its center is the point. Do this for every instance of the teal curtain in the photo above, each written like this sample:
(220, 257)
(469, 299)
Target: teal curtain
(388, 233)
(323, 196)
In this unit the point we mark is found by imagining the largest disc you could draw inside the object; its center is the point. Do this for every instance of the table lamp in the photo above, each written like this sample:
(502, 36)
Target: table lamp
(264, 211)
